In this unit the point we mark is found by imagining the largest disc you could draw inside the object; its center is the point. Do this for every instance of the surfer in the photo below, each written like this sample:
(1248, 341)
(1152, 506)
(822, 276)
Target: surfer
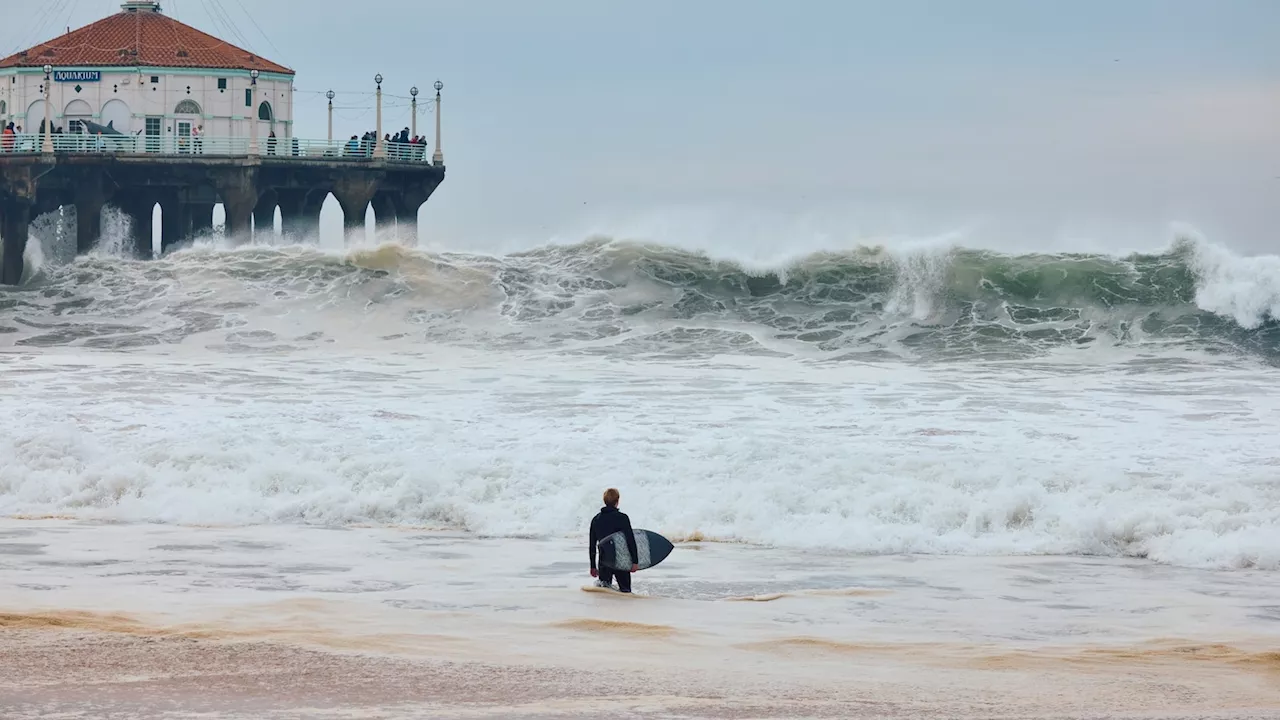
(607, 522)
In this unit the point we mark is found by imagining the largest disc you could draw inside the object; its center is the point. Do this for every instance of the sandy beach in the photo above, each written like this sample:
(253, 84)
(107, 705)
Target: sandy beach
(138, 621)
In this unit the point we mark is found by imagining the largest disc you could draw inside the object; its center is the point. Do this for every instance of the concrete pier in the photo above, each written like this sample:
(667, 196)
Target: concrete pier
(187, 187)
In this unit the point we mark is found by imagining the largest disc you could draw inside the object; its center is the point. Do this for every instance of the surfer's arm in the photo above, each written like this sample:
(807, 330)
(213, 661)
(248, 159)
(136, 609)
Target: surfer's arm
(591, 544)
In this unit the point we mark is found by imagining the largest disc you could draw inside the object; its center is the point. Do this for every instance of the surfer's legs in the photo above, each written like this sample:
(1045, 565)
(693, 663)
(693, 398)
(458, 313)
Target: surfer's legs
(608, 574)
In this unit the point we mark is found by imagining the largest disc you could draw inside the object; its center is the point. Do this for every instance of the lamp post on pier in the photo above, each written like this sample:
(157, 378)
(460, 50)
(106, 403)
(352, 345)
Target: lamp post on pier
(437, 157)
(379, 147)
(253, 112)
(413, 92)
(330, 95)
(48, 121)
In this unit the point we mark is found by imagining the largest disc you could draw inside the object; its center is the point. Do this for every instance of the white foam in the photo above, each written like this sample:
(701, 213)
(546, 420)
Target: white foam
(864, 459)
(1245, 289)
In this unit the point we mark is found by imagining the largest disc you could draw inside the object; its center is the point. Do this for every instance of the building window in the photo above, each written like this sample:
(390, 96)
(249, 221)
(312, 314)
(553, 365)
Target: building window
(187, 107)
(264, 111)
(153, 126)
(155, 79)
(248, 97)
(222, 83)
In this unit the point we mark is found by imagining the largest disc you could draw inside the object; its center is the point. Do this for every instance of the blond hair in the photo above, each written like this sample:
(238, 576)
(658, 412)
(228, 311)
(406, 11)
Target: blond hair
(611, 497)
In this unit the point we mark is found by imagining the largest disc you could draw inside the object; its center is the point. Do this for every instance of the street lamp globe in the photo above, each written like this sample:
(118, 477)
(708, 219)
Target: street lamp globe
(378, 78)
(414, 91)
(329, 95)
(48, 69)
(439, 86)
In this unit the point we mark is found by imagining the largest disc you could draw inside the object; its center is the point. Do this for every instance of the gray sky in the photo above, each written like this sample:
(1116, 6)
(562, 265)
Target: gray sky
(775, 126)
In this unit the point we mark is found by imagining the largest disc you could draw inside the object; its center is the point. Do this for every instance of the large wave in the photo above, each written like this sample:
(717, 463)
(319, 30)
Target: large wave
(605, 295)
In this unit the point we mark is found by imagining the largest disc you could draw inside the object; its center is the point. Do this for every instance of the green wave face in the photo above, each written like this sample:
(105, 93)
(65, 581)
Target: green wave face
(605, 296)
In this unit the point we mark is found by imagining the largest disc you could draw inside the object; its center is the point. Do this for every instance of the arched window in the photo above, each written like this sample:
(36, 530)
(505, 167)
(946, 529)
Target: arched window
(4, 109)
(76, 111)
(264, 111)
(187, 107)
(117, 116)
(77, 107)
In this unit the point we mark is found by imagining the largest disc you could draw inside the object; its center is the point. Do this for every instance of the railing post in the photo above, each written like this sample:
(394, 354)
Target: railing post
(48, 115)
(379, 147)
(253, 112)
(437, 157)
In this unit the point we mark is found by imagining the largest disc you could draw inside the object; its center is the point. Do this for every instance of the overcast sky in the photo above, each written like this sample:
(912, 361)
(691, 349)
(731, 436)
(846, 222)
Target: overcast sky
(781, 125)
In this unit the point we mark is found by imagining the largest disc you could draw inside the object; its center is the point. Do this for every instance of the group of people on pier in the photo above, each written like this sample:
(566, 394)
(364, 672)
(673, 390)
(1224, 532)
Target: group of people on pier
(12, 138)
(399, 146)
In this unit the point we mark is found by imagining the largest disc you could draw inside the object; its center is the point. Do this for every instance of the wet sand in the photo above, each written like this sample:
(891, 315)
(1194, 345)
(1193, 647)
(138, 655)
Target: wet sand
(144, 621)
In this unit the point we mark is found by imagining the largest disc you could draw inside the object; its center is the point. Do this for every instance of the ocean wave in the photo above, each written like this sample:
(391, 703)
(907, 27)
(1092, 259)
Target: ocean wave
(604, 295)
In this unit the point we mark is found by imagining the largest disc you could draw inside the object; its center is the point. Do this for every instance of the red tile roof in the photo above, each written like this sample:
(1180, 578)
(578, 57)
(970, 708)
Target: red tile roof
(141, 37)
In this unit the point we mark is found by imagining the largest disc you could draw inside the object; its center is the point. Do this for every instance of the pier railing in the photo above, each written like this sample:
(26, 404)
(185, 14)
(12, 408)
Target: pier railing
(171, 146)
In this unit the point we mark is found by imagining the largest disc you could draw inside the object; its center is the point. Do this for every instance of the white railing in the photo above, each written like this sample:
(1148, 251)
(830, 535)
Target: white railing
(267, 147)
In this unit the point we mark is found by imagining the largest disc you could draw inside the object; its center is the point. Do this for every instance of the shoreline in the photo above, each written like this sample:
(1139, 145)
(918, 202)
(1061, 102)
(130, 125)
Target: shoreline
(116, 675)
(144, 621)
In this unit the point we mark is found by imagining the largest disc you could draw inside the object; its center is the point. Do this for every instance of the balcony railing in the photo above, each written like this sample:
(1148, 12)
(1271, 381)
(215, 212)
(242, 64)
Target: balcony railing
(173, 146)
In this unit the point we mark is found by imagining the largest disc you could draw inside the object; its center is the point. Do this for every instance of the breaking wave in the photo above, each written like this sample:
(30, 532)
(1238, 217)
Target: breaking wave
(603, 296)
(297, 397)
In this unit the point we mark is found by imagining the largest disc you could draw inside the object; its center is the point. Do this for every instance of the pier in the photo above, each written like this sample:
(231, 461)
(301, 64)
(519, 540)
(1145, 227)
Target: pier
(131, 134)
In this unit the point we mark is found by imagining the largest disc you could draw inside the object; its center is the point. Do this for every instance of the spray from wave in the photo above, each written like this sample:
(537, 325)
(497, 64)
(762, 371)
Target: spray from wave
(608, 296)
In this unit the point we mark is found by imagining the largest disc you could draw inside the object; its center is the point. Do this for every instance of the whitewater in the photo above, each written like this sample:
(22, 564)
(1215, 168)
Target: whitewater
(941, 400)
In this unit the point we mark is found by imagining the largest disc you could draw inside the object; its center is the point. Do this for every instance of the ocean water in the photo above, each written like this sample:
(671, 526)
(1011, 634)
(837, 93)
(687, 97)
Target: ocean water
(957, 418)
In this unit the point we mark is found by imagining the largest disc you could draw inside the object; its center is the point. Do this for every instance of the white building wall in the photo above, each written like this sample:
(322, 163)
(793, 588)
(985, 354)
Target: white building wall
(223, 112)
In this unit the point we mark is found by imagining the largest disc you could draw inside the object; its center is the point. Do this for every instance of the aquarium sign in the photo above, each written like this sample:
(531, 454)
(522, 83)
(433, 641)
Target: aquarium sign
(77, 75)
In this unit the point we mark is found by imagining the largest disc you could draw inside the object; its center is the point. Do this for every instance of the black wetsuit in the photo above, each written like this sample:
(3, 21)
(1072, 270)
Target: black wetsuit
(607, 522)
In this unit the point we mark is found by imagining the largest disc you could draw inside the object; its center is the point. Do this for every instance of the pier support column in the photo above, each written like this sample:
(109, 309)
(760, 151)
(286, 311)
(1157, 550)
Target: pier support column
(264, 215)
(300, 214)
(15, 220)
(407, 223)
(391, 208)
(175, 222)
(239, 215)
(410, 201)
(384, 209)
(17, 198)
(354, 195)
(89, 200)
(238, 189)
(201, 217)
(141, 212)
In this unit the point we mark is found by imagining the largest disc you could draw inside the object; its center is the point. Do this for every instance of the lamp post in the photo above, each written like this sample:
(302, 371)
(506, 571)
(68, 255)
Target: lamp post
(253, 112)
(379, 147)
(330, 96)
(437, 157)
(413, 93)
(48, 121)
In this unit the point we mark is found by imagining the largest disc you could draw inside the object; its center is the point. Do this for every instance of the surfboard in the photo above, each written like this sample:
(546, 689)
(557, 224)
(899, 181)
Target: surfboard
(652, 548)
(609, 591)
